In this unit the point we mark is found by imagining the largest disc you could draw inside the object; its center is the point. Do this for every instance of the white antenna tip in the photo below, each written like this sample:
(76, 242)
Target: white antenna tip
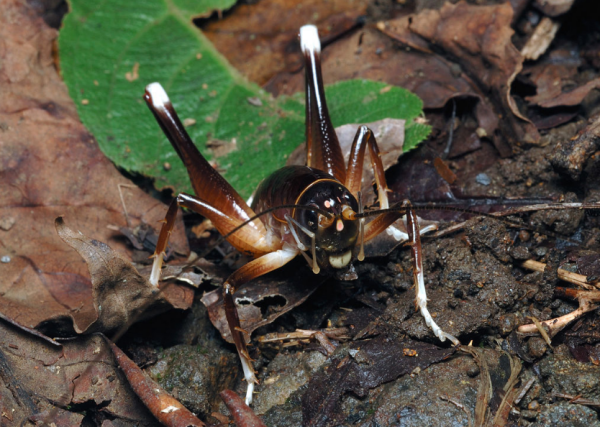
(158, 95)
(309, 39)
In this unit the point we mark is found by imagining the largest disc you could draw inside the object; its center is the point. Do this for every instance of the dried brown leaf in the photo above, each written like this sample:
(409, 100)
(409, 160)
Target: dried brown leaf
(81, 371)
(261, 39)
(50, 166)
(478, 38)
(121, 295)
(283, 289)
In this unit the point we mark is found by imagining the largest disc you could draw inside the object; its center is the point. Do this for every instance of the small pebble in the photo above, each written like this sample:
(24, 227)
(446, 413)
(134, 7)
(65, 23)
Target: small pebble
(507, 323)
(540, 251)
(473, 371)
(6, 223)
(524, 235)
(537, 347)
(483, 179)
(519, 252)
(534, 405)
(5, 259)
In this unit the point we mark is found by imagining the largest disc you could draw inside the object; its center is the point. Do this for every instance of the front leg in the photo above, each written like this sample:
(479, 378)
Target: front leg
(365, 138)
(253, 269)
(414, 241)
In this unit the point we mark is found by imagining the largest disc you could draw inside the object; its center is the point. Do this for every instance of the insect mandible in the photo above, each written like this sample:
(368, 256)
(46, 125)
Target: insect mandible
(318, 209)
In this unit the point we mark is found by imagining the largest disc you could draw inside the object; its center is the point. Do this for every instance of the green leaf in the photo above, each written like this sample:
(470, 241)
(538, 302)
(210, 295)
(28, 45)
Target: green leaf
(111, 50)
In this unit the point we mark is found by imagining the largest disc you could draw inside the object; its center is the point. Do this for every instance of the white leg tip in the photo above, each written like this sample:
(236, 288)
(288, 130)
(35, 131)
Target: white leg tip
(309, 39)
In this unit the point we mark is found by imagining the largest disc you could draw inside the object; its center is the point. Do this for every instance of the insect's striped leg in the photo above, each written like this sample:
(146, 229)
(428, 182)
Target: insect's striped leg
(414, 239)
(247, 239)
(253, 269)
(323, 150)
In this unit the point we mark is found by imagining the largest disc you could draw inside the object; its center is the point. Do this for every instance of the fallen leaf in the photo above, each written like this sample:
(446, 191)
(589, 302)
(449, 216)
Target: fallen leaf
(81, 371)
(50, 166)
(280, 291)
(478, 38)
(261, 39)
(121, 296)
(557, 98)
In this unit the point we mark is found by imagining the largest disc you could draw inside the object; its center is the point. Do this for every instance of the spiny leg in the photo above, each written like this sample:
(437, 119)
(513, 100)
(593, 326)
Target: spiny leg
(253, 269)
(365, 138)
(247, 240)
(323, 150)
(419, 278)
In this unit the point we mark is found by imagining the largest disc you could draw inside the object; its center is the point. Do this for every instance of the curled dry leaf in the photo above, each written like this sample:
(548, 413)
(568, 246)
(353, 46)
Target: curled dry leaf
(121, 295)
(161, 404)
(555, 97)
(478, 38)
(283, 290)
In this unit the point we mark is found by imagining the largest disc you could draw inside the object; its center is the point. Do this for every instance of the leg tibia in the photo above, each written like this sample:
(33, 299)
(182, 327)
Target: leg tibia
(253, 269)
(414, 240)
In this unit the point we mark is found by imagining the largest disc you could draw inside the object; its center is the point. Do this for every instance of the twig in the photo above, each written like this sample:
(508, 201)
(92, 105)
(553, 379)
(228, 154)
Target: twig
(567, 276)
(577, 399)
(524, 389)
(331, 333)
(554, 326)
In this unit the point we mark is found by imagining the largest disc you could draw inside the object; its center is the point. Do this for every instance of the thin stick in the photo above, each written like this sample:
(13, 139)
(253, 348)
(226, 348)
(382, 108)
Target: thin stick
(119, 186)
(556, 325)
(567, 276)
